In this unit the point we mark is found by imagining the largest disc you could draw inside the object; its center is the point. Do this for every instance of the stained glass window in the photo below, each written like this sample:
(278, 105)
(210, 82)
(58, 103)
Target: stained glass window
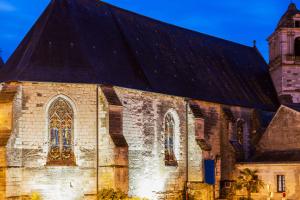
(61, 119)
(169, 140)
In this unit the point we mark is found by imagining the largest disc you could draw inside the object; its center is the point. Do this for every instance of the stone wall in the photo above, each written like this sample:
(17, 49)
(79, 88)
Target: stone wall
(284, 66)
(28, 145)
(138, 168)
(143, 115)
(291, 83)
(268, 173)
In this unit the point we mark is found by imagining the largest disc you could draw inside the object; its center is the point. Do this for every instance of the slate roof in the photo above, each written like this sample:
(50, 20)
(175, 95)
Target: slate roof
(265, 118)
(1, 62)
(286, 20)
(278, 156)
(294, 106)
(81, 41)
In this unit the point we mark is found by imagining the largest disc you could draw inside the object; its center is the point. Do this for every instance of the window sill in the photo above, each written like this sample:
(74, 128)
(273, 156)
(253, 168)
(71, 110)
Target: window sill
(171, 163)
(60, 163)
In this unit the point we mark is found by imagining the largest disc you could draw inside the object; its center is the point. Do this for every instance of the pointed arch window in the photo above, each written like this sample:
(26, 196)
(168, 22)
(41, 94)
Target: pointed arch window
(169, 140)
(61, 133)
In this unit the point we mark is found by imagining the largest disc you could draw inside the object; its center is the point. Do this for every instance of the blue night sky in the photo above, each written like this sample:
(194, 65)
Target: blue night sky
(236, 20)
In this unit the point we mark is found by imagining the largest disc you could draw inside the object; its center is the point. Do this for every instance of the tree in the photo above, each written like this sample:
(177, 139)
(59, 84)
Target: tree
(249, 180)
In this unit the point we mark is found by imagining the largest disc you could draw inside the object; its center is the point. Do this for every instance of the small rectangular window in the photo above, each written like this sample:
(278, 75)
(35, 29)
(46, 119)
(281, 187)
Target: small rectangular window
(280, 183)
(297, 24)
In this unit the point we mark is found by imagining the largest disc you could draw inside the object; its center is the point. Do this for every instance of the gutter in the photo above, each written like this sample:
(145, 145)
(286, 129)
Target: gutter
(97, 139)
(187, 149)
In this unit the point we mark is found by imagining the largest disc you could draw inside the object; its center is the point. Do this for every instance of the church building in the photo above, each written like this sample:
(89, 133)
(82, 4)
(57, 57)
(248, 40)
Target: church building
(98, 97)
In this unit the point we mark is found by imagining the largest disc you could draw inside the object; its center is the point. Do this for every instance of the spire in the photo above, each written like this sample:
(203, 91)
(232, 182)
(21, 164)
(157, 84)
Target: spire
(286, 20)
(292, 6)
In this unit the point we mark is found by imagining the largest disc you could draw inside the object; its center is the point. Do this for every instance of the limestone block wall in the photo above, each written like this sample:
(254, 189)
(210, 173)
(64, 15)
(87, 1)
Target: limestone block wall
(268, 173)
(195, 167)
(291, 82)
(113, 152)
(284, 68)
(140, 169)
(28, 147)
(143, 119)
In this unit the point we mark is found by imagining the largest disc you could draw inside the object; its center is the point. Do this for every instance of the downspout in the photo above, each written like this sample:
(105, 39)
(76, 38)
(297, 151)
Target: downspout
(97, 139)
(187, 148)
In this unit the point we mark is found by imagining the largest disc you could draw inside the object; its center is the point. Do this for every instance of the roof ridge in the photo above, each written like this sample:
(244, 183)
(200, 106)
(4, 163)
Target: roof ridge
(174, 25)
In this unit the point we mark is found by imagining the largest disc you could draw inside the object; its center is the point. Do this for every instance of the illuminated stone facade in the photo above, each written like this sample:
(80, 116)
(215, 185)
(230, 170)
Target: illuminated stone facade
(131, 146)
(209, 112)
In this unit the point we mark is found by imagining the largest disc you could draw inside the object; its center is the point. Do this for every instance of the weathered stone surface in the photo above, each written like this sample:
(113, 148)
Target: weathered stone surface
(138, 168)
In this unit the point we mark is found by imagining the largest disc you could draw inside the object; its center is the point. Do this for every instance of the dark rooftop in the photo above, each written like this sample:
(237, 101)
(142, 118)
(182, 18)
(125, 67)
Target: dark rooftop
(286, 20)
(1, 62)
(278, 156)
(294, 106)
(82, 41)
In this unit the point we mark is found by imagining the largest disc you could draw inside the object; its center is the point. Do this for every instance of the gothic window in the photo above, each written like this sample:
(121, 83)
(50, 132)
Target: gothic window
(169, 140)
(61, 119)
(240, 131)
(297, 46)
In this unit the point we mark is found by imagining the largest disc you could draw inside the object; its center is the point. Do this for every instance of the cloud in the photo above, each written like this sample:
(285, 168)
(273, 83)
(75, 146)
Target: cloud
(6, 7)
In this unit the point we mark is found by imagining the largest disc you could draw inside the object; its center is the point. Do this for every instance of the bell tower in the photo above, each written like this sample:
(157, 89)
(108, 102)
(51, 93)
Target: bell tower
(284, 56)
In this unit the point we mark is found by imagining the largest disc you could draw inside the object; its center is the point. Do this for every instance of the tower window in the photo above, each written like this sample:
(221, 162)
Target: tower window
(297, 46)
(297, 24)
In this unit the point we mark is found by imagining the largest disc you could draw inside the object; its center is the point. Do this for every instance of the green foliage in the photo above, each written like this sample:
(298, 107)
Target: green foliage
(35, 196)
(248, 180)
(111, 194)
(228, 193)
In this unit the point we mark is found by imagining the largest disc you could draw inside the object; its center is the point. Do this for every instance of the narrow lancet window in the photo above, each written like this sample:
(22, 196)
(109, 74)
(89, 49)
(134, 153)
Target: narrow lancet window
(169, 140)
(240, 131)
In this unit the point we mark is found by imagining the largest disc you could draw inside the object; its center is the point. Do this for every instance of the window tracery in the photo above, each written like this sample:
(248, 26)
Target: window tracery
(61, 119)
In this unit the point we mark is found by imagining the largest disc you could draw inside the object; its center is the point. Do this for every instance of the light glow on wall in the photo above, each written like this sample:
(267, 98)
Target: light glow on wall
(148, 187)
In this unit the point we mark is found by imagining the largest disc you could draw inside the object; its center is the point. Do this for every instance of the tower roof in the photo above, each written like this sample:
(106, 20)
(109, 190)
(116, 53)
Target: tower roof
(286, 20)
(81, 41)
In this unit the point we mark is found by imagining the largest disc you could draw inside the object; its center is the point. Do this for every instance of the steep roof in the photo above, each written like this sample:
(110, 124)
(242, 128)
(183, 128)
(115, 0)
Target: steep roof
(81, 41)
(277, 156)
(286, 20)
